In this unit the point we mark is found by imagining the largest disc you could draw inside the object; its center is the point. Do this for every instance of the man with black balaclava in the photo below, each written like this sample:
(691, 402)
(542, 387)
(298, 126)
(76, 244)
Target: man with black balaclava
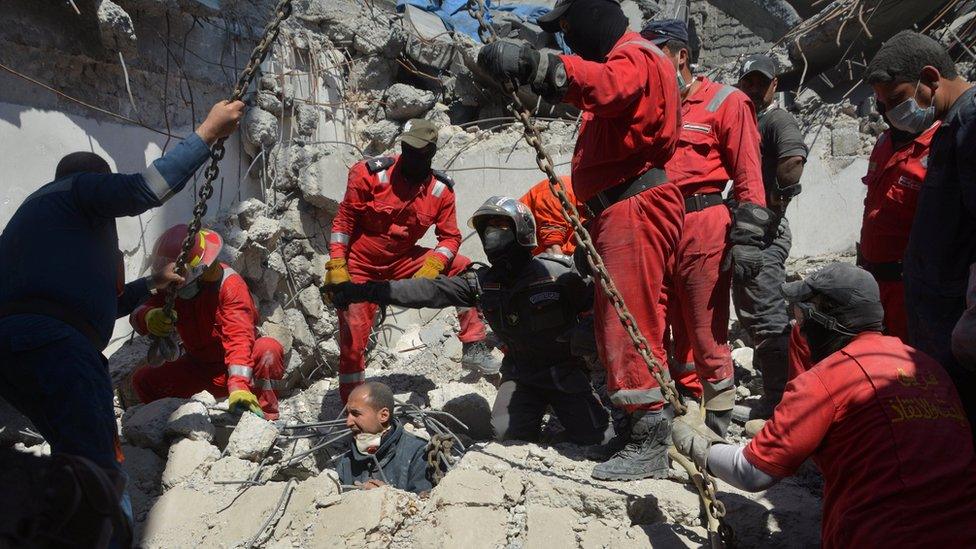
(881, 420)
(389, 205)
(531, 304)
(628, 92)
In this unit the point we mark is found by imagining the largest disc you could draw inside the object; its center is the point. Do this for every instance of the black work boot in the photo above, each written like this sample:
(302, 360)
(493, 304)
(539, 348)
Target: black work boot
(476, 356)
(646, 455)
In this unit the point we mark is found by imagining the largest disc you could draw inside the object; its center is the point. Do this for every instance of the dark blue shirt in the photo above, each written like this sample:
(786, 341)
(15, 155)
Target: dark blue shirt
(61, 245)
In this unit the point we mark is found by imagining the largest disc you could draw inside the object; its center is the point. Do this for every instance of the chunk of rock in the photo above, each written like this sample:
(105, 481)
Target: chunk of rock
(468, 487)
(231, 469)
(381, 134)
(743, 358)
(115, 28)
(252, 438)
(310, 301)
(306, 119)
(471, 404)
(145, 425)
(248, 211)
(265, 231)
(361, 513)
(187, 457)
(549, 527)
(468, 527)
(845, 141)
(192, 421)
(404, 102)
(260, 128)
(205, 398)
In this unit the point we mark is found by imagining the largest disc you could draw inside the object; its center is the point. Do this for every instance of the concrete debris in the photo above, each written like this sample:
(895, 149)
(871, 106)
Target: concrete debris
(403, 102)
(381, 134)
(192, 421)
(116, 29)
(471, 404)
(146, 425)
(204, 398)
(252, 438)
(260, 129)
(186, 459)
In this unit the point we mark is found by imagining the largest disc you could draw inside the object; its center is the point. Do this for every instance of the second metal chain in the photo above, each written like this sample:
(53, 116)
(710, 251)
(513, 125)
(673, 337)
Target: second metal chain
(713, 508)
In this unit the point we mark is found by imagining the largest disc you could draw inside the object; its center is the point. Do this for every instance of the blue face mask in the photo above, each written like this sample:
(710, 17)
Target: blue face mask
(908, 116)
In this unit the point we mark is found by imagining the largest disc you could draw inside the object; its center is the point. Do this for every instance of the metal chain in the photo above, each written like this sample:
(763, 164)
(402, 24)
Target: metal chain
(714, 508)
(270, 34)
(438, 456)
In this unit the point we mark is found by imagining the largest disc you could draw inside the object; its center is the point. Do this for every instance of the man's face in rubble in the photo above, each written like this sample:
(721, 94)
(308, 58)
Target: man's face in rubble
(362, 417)
(926, 91)
(759, 87)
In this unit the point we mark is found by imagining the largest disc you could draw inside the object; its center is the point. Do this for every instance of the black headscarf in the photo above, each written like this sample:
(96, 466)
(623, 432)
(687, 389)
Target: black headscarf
(594, 27)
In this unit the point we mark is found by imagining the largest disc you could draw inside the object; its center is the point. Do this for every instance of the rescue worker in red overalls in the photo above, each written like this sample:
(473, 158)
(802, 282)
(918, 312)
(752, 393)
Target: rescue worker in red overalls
(719, 141)
(389, 204)
(628, 92)
(896, 171)
(216, 320)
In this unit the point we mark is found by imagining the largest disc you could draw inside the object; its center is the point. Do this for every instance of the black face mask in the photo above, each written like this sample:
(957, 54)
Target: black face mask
(823, 342)
(415, 163)
(502, 250)
(594, 27)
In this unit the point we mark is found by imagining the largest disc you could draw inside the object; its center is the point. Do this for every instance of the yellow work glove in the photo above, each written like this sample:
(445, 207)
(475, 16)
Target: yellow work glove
(158, 324)
(432, 267)
(336, 272)
(244, 400)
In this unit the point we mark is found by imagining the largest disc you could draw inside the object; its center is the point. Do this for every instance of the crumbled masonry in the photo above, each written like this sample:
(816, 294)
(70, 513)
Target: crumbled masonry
(342, 81)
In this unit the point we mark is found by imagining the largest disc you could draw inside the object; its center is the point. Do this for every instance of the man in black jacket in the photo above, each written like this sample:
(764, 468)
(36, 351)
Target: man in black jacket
(531, 304)
(381, 452)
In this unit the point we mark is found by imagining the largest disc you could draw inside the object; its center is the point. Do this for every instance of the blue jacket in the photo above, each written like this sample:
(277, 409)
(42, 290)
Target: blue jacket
(61, 246)
(402, 456)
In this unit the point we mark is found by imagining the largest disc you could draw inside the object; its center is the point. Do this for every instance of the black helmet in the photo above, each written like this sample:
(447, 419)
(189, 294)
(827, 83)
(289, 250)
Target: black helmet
(506, 206)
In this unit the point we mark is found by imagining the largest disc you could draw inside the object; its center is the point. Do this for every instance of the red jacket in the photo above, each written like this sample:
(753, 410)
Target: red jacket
(551, 228)
(631, 114)
(216, 326)
(885, 425)
(894, 179)
(719, 141)
(382, 216)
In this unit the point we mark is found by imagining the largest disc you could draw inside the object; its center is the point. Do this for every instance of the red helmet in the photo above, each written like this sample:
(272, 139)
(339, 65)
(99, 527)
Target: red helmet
(206, 247)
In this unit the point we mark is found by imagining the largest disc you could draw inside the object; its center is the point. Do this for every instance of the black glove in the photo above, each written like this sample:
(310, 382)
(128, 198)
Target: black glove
(545, 73)
(347, 293)
(747, 261)
(752, 225)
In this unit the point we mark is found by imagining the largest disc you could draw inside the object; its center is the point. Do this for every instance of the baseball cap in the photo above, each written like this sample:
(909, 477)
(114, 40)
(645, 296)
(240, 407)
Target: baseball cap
(418, 133)
(759, 63)
(550, 21)
(854, 298)
(663, 30)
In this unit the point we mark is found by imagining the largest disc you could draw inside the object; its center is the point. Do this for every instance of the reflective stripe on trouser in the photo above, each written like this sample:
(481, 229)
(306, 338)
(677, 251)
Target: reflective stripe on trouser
(698, 299)
(356, 322)
(636, 238)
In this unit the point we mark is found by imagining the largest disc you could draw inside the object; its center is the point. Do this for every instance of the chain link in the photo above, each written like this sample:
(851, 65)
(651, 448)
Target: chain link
(439, 456)
(713, 507)
(212, 172)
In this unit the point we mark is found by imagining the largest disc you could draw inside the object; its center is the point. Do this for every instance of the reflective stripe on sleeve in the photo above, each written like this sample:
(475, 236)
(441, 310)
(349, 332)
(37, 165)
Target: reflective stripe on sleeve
(339, 238)
(240, 371)
(444, 252)
(438, 189)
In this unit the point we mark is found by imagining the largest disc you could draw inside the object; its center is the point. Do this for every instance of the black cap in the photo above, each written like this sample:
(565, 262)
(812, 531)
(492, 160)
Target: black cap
(664, 30)
(550, 21)
(759, 63)
(852, 293)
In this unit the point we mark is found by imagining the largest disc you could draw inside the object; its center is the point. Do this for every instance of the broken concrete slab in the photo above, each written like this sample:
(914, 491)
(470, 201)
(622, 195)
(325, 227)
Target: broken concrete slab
(549, 527)
(470, 403)
(116, 29)
(145, 425)
(231, 468)
(404, 101)
(260, 129)
(468, 527)
(359, 514)
(468, 487)
(428, 40)
(191, 420)
(188, 458)
(252, 438)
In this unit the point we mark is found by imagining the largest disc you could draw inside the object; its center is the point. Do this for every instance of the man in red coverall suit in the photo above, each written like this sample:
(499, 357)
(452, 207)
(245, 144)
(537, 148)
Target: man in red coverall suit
(215, 319)
(390, 203)
(628, 92)
(719, 141)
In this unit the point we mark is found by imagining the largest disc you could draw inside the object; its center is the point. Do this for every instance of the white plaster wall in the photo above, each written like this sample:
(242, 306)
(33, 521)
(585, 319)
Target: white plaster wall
(32, 142)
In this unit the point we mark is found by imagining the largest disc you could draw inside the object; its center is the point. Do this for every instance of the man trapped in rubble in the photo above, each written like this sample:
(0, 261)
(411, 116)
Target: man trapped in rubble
(381, 452)
(62, 287)
(882, 421)
(531, 303)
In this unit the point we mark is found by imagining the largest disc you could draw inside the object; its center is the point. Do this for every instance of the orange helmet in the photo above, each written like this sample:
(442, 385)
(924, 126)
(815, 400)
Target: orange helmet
(206, 247)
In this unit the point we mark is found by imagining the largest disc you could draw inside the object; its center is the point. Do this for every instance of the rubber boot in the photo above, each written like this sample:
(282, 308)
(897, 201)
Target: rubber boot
(646, 455)
(476, 356)
(718, 421)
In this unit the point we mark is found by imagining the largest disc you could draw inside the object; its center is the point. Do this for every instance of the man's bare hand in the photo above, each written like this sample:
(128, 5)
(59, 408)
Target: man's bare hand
(222, 121)
(372, 483)
(163, 277)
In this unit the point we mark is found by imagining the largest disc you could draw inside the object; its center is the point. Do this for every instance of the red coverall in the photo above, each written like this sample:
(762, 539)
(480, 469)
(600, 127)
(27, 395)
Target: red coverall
(551, 228)
(631, 112)
(380, 220)
(894, 178)
(885, 425)
(221, 351)
(719, 141)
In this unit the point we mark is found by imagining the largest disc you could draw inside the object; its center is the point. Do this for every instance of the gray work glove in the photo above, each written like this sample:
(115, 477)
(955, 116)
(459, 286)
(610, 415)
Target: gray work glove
(752, 225)
(746, 260)
(693, 439)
